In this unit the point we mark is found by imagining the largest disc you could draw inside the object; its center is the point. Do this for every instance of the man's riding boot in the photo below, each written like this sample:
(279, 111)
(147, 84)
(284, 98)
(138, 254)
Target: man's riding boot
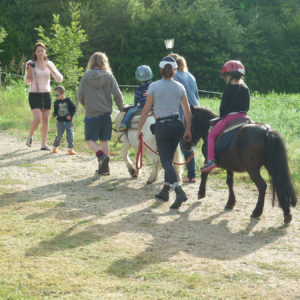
(164, 193)
(180, 197)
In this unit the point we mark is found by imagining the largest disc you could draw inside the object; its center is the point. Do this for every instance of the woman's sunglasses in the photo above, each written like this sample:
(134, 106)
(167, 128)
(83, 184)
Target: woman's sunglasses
(57, 95)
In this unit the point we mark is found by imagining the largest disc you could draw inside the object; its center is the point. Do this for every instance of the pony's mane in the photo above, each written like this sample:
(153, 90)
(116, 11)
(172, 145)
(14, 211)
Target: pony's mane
(207, 112)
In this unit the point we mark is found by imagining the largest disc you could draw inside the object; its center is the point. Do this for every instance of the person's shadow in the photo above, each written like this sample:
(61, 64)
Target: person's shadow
(213, 241)
(21, 157)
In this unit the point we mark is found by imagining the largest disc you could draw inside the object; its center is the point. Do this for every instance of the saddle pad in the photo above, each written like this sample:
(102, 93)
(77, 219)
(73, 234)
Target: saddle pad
(236, 124)
(134, 122)
(119, 118)
(225, 138)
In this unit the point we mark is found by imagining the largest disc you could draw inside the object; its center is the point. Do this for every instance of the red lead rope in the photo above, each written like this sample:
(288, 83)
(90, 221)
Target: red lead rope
(139, 155)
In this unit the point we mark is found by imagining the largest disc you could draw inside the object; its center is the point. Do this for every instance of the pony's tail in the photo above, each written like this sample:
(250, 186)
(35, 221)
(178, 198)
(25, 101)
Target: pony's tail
(278, 168)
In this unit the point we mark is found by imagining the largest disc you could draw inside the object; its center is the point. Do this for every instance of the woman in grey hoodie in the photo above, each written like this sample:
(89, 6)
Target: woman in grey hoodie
(95, 93)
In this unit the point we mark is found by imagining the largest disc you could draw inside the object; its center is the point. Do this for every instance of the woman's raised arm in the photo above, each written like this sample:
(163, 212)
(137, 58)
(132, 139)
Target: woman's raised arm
(54, 72)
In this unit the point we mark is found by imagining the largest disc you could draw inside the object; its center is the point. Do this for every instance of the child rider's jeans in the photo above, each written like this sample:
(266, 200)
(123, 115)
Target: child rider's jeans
(217, 130)
(129, 115)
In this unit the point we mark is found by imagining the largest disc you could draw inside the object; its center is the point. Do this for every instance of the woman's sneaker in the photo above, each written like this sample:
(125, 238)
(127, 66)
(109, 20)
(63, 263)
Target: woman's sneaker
(46, 148)
(103, 161)
(29, 142)
(210, 165)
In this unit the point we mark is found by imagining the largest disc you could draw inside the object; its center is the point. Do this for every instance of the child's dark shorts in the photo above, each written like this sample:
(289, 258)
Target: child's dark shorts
(40, 100)
(98, 127)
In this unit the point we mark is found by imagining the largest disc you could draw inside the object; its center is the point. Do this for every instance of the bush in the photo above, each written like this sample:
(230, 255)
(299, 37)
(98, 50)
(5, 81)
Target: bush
(64, 44)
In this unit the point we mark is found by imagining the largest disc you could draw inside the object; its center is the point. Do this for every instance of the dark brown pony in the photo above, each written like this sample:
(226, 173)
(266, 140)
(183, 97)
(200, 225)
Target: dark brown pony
(253, 146)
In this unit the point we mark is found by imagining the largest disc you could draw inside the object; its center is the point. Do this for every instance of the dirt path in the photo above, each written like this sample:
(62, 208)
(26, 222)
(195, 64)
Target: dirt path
(197, 236)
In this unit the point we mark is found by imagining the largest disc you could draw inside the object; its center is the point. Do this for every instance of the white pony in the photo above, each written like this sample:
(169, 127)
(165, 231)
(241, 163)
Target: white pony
(130, 140)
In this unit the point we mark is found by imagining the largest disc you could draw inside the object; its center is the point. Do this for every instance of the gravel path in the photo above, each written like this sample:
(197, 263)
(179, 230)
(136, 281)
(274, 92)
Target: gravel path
(197, 234)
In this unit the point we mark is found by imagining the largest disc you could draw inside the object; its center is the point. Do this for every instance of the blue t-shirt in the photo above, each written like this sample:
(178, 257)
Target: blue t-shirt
(190, 84)
(139, 98)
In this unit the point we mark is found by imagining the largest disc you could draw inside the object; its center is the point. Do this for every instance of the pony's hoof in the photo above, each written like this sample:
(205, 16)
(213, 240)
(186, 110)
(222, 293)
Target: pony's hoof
(288, 219)
(133, 173)
(149, 182)
(201, 196)
(256, 214)
(228, 207)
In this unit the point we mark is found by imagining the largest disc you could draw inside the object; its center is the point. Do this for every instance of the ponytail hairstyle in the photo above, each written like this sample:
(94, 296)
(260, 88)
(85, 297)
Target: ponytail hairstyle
(168, 66)
(167, 72)
(99, 60)
(39, 44)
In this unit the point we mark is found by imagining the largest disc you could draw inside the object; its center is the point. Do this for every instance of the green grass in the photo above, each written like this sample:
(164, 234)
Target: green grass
(15, 118)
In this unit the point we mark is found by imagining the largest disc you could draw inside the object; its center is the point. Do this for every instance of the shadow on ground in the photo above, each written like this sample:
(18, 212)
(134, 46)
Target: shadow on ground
(168, 239)
(93, 198)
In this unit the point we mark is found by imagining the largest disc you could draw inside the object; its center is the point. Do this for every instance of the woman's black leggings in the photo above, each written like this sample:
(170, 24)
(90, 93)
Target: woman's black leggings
(168, 135)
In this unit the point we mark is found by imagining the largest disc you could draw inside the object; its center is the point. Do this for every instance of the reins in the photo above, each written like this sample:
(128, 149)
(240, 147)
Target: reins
(139, 155)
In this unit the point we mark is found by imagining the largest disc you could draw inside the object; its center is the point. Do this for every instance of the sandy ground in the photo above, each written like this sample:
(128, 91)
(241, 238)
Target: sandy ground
(200, 233)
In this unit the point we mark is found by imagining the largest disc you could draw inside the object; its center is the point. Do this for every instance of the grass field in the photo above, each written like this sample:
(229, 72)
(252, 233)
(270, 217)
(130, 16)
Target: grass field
(67, 234)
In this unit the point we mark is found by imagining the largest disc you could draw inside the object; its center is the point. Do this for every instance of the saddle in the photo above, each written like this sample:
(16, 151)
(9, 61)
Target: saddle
(224, 139)
(134, 122)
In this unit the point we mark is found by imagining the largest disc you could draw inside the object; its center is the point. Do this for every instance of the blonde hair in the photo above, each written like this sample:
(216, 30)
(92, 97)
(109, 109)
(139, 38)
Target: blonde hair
(100, 61)
(181, 62)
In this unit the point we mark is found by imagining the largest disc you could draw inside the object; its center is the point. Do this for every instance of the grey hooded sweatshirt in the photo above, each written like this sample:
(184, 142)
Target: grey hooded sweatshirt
(95, 92)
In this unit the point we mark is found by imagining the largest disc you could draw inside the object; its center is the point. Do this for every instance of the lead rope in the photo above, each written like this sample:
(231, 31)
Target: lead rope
(139, 155)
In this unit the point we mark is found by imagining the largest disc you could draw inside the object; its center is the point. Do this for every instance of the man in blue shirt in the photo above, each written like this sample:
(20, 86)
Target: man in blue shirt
(183, 76)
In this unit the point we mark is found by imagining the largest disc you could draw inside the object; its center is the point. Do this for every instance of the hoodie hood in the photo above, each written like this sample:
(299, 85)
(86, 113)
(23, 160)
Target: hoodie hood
(96, 78)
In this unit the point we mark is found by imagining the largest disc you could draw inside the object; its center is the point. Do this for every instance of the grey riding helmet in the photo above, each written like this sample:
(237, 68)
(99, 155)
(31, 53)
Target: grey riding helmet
(143, 73)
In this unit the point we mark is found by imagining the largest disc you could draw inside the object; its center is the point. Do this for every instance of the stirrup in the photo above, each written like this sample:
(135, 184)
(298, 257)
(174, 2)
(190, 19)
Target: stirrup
(210, 165)
(123, 128)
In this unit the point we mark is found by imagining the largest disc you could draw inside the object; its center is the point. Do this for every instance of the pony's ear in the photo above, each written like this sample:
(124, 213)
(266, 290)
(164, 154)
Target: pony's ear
(192, 108)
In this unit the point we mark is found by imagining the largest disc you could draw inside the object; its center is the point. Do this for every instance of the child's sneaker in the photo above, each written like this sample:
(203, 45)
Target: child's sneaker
(71, 152)
(54, 150)
(210, 165)
(29, 142)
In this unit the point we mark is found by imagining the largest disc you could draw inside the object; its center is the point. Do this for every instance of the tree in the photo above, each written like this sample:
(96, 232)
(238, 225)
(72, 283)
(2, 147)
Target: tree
(3, 35)
(264, 34)
(63, 44)
(19, 18)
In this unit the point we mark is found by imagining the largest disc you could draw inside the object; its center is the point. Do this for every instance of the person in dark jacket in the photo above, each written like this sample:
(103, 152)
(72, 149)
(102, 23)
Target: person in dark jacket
(235, 104)
(64, 110)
